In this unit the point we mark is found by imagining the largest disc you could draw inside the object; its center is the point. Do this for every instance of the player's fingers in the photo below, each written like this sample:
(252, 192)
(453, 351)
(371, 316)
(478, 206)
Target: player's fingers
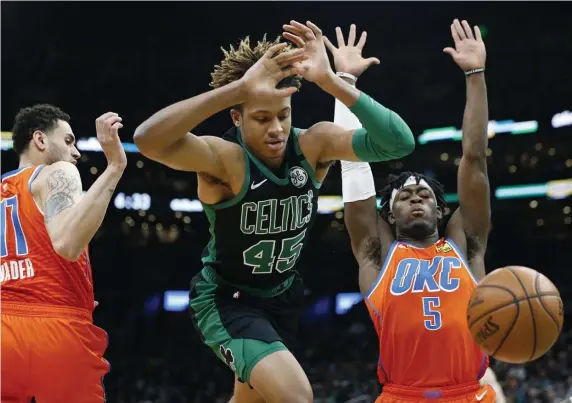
(329, 44)
(274, 49)
(459, 29)
(291, 61)
(282, 58)
(371, 61)
(362, 40)
(450, 51)
(294, 39)
(340, 37)
(352, 35)
(105, 116)
(116, 126)
(293, 30)
(291, 70)
(467, 30)
(478, 33)
(315, 29)
(455, 35)
(306, 32)
(286, 92)
(110, 121)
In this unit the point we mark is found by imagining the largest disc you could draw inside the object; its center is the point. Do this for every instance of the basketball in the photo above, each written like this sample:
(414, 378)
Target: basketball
(515, 314)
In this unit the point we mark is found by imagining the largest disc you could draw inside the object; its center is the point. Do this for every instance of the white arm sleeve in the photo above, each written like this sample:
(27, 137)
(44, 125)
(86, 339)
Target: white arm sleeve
(357, 179)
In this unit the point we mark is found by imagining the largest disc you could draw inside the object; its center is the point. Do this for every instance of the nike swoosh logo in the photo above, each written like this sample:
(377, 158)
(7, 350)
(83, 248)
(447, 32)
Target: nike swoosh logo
(256, 185)
(480, 397)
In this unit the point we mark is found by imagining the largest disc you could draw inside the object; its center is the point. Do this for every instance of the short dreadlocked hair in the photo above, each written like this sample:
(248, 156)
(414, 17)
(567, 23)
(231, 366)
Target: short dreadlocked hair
(237, 61)
(397, 181)
(42, 117)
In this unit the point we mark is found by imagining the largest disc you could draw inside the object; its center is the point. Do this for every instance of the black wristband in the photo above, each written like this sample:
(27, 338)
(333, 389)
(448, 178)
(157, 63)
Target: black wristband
(474, 71)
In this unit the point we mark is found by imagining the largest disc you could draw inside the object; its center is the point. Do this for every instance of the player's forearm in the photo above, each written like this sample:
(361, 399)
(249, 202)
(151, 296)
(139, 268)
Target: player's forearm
(385, 135)
(169, 125)
(476, 118)
(73, 228)
(358, 188)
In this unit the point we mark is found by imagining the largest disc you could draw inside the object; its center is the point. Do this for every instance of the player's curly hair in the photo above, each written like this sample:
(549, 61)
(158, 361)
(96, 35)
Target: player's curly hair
(42, 117)
(397, 181)
(237, 61)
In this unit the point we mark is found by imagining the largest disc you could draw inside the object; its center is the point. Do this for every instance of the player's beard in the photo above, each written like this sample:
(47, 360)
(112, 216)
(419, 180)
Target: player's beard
(54, 155)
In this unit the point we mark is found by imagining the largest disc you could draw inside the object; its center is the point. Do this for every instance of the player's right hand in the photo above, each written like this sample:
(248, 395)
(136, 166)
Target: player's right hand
(263, 77)
(347, 56)
(107, 126)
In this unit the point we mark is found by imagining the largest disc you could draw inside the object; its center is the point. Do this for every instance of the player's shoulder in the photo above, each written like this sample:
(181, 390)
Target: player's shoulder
(54, 172)
(60, 167)
(223, 147)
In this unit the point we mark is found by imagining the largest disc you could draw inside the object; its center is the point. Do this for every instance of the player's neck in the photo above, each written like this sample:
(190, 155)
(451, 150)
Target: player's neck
(26, 161)
(420, 242)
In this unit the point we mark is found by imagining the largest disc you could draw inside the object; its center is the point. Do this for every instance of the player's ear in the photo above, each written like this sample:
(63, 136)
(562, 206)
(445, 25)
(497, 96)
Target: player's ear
(236, 117)
(40, 139)
(390, 218)
(439, 213)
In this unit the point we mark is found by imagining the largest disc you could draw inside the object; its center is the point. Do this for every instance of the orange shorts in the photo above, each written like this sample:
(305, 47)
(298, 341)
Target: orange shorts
(472, 393)
(52, 354)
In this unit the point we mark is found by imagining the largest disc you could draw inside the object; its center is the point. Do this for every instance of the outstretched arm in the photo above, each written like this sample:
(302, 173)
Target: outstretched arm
(384, 136)
(472, 219)
(165, 137)
(73, 220)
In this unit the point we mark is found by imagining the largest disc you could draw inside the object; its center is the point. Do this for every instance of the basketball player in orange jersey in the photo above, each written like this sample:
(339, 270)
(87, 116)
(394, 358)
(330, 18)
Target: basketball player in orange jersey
(416, 275)
(51, 350)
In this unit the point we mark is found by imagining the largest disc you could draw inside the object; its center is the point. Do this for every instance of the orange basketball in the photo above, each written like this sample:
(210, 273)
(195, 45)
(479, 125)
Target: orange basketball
(515, 314)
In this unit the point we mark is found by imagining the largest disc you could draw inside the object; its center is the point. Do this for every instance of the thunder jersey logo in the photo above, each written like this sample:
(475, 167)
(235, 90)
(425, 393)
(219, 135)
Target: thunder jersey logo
(417, 275)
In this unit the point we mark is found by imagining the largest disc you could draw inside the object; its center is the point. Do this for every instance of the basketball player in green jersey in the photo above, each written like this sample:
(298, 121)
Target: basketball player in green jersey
(259, 186)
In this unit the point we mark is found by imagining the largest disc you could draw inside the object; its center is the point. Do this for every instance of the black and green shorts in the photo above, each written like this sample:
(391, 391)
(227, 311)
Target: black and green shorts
(242, 328)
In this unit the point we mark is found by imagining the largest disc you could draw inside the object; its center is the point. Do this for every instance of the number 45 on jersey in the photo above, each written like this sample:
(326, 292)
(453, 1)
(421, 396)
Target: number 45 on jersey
(262, 255)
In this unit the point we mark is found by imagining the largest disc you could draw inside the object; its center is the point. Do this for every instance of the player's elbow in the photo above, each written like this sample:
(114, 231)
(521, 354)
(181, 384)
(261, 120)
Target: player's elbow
(67, 250)
(141, 139)
(407, 145)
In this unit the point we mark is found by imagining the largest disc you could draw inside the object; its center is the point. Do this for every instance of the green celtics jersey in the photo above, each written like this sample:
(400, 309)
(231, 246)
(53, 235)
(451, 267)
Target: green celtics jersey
(257, 237)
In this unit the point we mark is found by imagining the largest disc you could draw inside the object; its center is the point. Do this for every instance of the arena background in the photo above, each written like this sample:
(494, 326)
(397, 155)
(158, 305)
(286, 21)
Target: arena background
(135, 58)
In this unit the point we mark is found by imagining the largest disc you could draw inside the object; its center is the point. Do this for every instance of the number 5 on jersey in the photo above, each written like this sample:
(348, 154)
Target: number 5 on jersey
(261, 256)
(21, 244)
(432, 315)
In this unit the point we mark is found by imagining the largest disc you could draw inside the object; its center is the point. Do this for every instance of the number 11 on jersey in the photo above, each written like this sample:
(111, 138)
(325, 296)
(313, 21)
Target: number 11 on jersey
(21, 244)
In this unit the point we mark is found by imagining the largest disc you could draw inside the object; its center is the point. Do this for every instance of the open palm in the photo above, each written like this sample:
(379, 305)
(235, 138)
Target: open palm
(309, 37)
(469, 52)
(348, 57)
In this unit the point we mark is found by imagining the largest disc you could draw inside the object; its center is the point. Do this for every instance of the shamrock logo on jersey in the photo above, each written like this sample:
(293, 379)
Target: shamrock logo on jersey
(228, 357)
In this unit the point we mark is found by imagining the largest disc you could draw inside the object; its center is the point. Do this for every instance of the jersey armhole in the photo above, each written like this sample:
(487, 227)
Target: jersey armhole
(30, 181)
(236, 199)
(383, 269)
(305, 165)
(462, 257)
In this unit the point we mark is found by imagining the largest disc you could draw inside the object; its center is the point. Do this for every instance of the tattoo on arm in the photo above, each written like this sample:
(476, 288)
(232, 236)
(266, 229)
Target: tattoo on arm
(61, 190)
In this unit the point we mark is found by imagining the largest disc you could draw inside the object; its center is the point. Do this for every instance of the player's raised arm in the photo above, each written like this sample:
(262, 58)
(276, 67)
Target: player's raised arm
(165, 137)
(71, 220)
(358, 187)
(384, 136)
(472, 179)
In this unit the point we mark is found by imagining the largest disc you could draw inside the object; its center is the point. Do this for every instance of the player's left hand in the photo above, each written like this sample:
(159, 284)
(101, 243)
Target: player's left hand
(469, 52)
(347, 57)
(316, 68)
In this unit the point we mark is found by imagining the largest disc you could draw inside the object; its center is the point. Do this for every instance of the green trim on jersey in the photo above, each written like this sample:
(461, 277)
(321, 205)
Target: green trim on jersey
(263, 168)
(304, 162)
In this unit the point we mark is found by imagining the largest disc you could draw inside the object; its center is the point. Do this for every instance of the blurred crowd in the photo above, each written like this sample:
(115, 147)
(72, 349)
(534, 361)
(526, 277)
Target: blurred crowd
(158, 358)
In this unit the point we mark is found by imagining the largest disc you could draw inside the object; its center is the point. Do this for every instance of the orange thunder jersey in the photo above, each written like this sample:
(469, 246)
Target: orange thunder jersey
(31, 271)
(418, 306)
